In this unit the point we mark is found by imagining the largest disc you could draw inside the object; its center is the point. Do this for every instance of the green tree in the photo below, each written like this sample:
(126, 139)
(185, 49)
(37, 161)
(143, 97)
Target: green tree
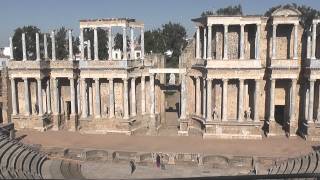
(230, 10)
(118, 41)
(102, 42)
(61, 43)
(30, 33)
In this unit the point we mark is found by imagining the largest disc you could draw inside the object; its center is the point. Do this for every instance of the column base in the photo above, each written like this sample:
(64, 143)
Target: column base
(73, 122)
(183, 127)
(55, 122)
(275, 129)
(152, 126)
(313, 131)
(293, 128)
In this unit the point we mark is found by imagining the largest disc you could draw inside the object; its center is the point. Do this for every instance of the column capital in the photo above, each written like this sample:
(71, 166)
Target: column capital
(25, 78)
(242, 25)
(226, 25)
(96, 79)
(225, 80)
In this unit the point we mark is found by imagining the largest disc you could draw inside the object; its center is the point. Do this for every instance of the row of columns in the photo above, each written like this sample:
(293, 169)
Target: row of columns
(224, 105)
(110, 43)
(274, 41)
(207, 49)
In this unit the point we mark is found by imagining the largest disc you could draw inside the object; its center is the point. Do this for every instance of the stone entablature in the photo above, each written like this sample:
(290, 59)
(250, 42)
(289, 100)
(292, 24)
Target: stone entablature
(121, 22)
(234, 64)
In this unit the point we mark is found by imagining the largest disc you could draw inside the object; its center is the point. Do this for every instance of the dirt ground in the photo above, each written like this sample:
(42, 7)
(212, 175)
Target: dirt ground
(268, 147)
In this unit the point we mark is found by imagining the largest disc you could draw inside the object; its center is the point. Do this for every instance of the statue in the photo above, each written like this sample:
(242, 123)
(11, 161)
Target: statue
(106, 110)
(248, 113)
(172, 79)
(215, 114)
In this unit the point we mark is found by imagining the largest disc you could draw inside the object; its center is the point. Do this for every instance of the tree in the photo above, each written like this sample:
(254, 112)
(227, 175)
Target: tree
(61, 43)
(118, 41)
(102, 42)
(30, 33)
(230, 10)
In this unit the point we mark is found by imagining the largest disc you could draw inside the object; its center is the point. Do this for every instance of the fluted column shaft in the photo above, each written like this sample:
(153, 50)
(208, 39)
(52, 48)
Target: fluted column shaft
(45, 46)
(95, 39)
(70, 45)
(53, 42)
(198, 43)
(209, 56)
(241, 41)
(26, 96)
(11, 48)
(84, 113)
(183, 97)
(133, 97)
(256, 100)
(40, 101)
(124, 45)
(314, 41)
(198, 97)
(204, 43)
(295, 43)
(14, 97)
(97, 108)
(209, 100)
(152, 96)
(132, 43)
(48, 96)
(111, 98)
(143, 96)
(271, 108)
(24, 50)
(225, 42)
(225, 100)
(81, 44)
(125, 99)
(73, 96)
(293, 100)
(89, 57)
(274, 41)
(110, 43)
(257, 42)
(311, 100)
(37, 47)
(204, 98)
(240, 104)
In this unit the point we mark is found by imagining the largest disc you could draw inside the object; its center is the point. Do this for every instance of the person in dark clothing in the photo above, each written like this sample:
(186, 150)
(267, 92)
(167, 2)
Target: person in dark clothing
(158, 160)
(132, 166)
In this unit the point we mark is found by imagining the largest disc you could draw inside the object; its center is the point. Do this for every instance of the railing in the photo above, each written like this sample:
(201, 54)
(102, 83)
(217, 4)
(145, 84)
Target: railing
(234, 64)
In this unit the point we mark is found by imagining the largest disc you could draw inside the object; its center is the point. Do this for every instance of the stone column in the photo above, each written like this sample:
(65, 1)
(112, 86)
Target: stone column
(11, 48)
(81, 44)
(56, 96)
(142, 43)
(295, 43)
(311, 98)
(308, 45)
(53, 42)
(125, 99)
(256, 101)
(110, 43)
(70, 45)
(209, 55)
(292, 100)
(133, 97)
(225, 100)
(124, 38)
(26, 96)
(225, 42)
(274, 41)
(257, 42)
(198, 43)
(132, 43)
(78, 97)
(209, 100)
(198, 97)
(97, 88)
(89, 50)
(40, 106)
(240, 104)
(37, 47)
(111, 98)
(204, 98)
(204, 43)
(73, 96)
(90, 99)
(143, 96)
(95, 39)
(152, 97)
(48, 96)
(241, 41)
(24, 50)
(314, 41)
(271, 108)
(13, 97)
(45, 46)
(183, 97)
(84, 113)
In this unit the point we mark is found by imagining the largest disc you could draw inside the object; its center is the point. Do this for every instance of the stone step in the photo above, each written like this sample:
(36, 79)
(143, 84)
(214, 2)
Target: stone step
(55, 169)
(304, 165)
(282, 167)
(13, 161)
(28, 161)
(290, 166)
(297, 166)
(317, 169)
(5, 160)
(313, 162)
(21, 159)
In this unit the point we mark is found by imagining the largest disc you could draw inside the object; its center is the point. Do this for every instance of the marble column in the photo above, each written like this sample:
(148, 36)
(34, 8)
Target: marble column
(11, 48)
(256, 100)
(124, 45)
(26, 96)
(225, 100)
(73, 96)
(295, 42)
(37, 47)
(308, 45)
(314, 41)
(110, 43)
(84, 113)
(293, 100)
(111, 98)
(53, 42)
(209, 99)
(271, 104)
(133, 97)
(48, 96)
(274, 41)
(198, 43)
(142, 42)
(24, 50)
(95, 39)
(132, 43)
(225, 42)
(183, 97)
(56, 96)
(241, 41)
(143, 96)
(97, 88)
(81, 44)
(204, 43)
(240, 104)
(45, 46)
(78, 97)
(89, 57)
(152, 96)
(204, 98)
(209, 55)
(257, 42)
(125, 99)
(311, 100)
(40, 101)
(90, 99)
(70, 45)
(198, 97)
(13, 97)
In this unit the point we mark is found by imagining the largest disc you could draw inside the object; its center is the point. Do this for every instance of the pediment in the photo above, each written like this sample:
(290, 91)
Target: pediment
(286, 12)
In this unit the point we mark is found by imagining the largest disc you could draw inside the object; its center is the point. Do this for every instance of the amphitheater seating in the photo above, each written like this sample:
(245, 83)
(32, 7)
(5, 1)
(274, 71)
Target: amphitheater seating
(308, 164)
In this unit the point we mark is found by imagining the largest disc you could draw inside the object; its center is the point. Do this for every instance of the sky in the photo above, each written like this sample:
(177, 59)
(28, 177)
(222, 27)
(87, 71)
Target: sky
(53, 14)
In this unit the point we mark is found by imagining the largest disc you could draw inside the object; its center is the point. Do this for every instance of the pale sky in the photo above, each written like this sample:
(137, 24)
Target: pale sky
(48, 15)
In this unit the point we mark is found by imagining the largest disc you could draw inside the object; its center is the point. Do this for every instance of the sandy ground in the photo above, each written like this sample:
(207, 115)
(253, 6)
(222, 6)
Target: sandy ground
(268, 147)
